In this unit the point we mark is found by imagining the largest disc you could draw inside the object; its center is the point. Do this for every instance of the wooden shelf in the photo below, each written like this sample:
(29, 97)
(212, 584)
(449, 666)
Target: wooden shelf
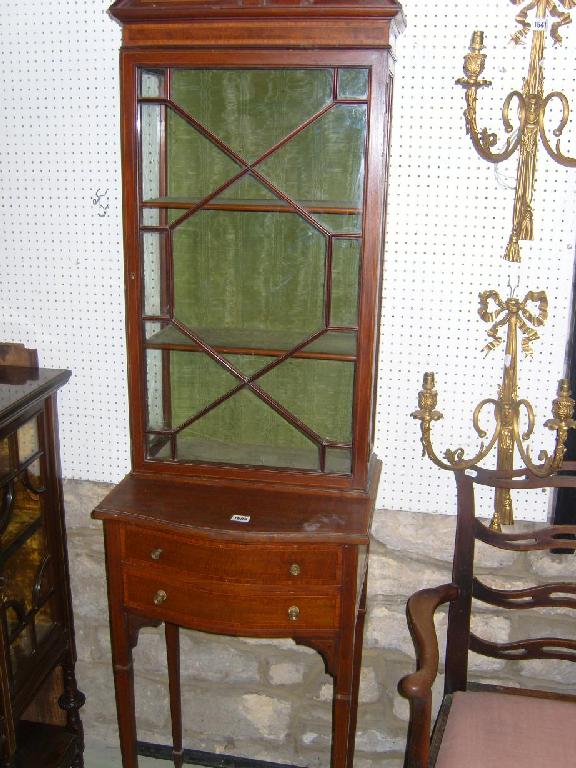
(214, 451)
(275, 205)
(333, 345)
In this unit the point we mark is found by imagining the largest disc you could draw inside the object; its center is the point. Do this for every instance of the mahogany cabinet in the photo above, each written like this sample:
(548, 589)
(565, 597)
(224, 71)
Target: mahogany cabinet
(255, 146)
(39, 699)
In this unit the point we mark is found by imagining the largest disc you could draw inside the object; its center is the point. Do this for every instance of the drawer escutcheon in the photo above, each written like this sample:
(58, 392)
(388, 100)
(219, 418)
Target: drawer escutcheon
(293, 612)
(160, 597)
(156, 554)
(295, 569)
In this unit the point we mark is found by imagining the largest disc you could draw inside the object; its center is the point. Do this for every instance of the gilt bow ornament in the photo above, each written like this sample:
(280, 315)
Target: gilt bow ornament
(516, 318)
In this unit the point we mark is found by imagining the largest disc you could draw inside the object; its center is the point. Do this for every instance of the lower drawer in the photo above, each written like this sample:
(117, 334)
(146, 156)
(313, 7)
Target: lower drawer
(228, 608)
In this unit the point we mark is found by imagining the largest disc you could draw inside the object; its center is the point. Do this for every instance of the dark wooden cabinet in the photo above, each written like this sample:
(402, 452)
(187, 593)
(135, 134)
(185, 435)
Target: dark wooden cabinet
(39, 703)
(255, 145)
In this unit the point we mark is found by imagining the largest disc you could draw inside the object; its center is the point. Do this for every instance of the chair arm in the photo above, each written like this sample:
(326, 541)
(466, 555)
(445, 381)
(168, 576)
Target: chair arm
(420, 614)
(417, 687)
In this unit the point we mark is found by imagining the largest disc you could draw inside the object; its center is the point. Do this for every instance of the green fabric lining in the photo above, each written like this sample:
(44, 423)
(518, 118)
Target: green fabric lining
(262, 271)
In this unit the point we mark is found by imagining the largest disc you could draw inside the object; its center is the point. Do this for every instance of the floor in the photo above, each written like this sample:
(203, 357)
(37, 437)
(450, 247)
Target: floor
(98, 756)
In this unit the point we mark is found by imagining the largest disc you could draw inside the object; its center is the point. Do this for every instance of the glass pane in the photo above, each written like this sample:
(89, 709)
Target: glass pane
(318, 392)
(159, 333)
(158, 447)
(152, 246)
(31, 638)
(339, 460)
(150, 217)
(333, 343)
(33, 474)
(21, 505)
(151, 131)
(27, 440)
(325, 162)
(244, 430)
(345, 282)
(348, 224)
(352, 83)
(252, 193)
(196, 380)
(196, 166)
(27, 578)
(155, 366)
(152, 83)
(44, 621)
(161, 217)
(251, 110)
(249, 271)
(249, 364)
(6, 459)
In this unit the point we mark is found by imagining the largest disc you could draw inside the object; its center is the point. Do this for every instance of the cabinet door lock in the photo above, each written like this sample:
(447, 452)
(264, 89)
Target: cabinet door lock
(156, 554)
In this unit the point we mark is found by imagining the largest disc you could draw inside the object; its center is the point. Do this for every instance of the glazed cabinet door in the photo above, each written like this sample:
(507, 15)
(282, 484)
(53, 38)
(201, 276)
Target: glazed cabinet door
(254, 237)
(28, 607)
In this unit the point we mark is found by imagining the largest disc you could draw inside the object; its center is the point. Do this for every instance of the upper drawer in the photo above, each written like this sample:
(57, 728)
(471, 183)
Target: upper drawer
(283, 564)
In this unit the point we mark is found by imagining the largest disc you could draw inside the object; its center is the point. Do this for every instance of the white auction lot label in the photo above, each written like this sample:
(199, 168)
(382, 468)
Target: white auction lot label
(240, 518)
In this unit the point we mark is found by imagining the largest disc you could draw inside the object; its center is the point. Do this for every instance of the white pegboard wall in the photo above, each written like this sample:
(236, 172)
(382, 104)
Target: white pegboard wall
(62, 282)
(449, 219)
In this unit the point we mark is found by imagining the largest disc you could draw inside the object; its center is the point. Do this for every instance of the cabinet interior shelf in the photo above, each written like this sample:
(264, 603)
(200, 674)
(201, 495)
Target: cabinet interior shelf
(246, 454)
(273, 205)
(333, 345)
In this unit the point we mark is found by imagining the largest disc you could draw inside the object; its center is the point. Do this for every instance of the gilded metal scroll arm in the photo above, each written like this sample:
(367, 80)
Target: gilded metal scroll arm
(483, 140)
(562, 421)
(427, 413)
(555, 152)
(532, 106)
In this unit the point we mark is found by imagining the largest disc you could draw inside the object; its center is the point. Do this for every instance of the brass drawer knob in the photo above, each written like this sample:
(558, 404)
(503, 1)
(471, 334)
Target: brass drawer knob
(295, 569)
(160, 597)
(155, 554)
(293, 612)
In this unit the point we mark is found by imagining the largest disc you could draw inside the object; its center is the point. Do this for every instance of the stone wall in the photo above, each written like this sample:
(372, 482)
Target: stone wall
(271, 700)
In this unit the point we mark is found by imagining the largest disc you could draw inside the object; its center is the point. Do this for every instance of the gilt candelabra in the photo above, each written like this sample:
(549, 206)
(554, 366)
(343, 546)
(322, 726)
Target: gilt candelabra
(509, 410)
(531, 110)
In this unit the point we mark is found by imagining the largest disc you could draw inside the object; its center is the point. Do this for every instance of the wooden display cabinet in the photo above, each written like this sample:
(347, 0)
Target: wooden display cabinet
(255, 145)
(39, 704)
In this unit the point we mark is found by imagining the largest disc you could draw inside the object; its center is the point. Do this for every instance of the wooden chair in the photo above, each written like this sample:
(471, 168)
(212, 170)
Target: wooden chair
(489, 726)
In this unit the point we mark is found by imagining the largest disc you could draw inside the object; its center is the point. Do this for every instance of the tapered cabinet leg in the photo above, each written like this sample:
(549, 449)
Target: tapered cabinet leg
(341, 711)
(342, 705)
(123, 668)
(122, 640)
(173, 657)
(357, 666)
(347, 662)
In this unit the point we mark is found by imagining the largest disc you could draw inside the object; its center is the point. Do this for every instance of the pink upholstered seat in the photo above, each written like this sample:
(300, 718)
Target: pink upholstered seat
(498, 730)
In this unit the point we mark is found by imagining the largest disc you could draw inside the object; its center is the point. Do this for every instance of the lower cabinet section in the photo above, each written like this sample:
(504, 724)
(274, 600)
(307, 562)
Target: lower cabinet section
(176, 555)
(40, 724)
